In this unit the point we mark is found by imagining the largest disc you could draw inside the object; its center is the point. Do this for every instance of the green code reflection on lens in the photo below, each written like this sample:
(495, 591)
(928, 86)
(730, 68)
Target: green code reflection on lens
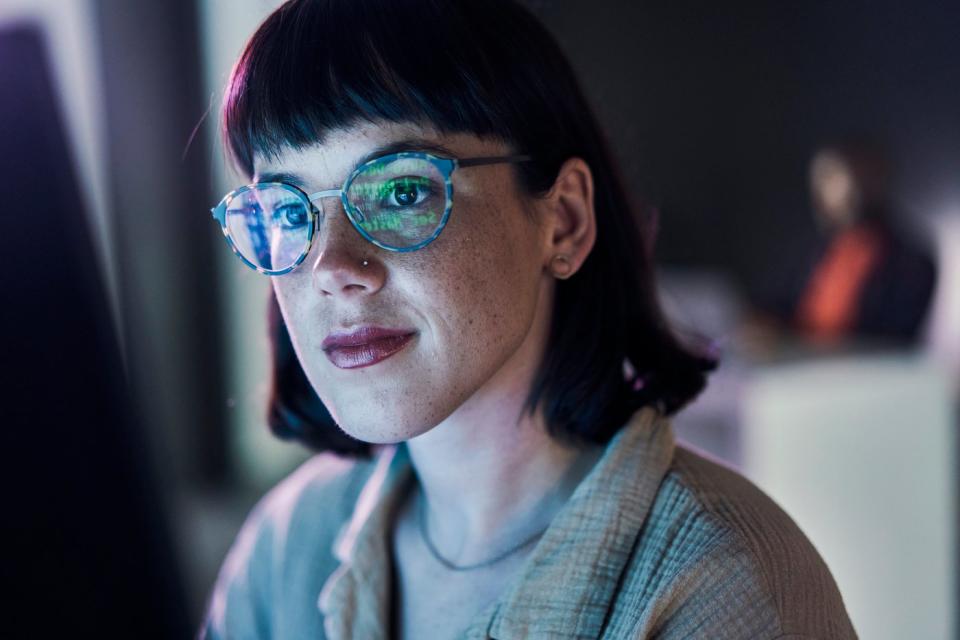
(380, 190)
(397, 221)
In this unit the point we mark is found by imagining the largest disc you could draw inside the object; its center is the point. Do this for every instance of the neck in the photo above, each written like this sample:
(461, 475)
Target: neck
(490, 473)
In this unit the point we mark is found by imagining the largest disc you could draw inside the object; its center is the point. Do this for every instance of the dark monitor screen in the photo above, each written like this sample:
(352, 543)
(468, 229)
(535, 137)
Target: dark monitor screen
(86, 539)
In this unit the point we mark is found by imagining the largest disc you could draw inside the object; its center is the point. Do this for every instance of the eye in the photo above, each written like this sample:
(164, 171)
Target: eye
(407, 191)
(291, 216)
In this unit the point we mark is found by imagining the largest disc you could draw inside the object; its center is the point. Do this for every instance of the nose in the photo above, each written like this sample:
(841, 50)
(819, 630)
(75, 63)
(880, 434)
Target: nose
(344, 264)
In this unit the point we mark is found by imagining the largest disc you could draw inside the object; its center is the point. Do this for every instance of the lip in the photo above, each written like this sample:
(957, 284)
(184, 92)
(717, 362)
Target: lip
(364, 346)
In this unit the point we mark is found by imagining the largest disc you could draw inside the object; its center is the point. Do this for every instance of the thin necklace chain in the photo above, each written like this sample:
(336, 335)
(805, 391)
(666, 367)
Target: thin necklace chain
(467, 567)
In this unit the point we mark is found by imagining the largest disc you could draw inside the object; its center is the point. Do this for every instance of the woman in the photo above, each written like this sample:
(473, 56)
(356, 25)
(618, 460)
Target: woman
(869, 278)
(866, 281)
(464, 288)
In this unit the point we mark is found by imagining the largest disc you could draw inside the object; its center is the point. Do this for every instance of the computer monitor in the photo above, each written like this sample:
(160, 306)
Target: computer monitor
(87, 545)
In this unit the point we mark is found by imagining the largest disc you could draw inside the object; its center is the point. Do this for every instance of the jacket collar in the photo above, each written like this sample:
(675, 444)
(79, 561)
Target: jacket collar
(355, 601)
(598, 527)
(552, 596)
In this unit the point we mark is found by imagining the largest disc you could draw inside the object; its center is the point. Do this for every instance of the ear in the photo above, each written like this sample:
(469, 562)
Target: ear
(570, 225)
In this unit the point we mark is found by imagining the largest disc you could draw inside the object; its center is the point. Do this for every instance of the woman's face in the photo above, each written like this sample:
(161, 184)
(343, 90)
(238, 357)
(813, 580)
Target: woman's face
(836, 198)
(394, 343)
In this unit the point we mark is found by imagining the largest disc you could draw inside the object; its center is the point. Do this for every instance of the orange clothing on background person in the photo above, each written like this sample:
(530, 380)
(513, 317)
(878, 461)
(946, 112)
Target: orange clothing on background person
(829, 306)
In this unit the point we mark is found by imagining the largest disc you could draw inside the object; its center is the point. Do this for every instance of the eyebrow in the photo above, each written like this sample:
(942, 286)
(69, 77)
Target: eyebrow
(398, 146)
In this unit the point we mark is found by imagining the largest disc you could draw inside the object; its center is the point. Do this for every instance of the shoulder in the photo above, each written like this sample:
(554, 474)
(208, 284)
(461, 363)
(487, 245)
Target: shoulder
(297, 519)
(717, 553)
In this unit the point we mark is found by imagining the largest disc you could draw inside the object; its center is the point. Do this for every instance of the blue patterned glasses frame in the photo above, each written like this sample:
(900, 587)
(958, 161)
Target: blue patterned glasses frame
(398, 202)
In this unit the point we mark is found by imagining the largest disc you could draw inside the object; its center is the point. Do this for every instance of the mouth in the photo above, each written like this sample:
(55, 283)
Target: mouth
(365, 346)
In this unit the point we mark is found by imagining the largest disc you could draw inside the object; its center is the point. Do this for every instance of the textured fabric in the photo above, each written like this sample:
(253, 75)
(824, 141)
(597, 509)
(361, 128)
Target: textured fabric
(655, 542)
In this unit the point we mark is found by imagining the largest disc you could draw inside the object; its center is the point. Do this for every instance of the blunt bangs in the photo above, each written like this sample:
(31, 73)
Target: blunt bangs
(316, 66)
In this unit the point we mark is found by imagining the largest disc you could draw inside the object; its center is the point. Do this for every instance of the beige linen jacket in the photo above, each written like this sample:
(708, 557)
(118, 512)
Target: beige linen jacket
(655, 542)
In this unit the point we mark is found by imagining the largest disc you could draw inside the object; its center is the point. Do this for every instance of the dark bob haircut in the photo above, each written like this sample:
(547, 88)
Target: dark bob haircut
(489, 68)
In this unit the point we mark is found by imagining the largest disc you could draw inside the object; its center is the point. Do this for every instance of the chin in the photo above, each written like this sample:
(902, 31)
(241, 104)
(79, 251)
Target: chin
(383, 429)
(391, 412)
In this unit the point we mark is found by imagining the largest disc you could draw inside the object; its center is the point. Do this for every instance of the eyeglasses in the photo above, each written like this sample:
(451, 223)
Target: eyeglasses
(398, 202)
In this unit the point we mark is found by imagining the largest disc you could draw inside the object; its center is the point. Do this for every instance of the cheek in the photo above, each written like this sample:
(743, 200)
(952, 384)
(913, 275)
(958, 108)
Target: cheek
(483, 285)
(289, 290)
(298, 309)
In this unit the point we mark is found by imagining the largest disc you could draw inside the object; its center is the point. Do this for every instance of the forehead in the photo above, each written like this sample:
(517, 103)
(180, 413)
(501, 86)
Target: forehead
(327, 163)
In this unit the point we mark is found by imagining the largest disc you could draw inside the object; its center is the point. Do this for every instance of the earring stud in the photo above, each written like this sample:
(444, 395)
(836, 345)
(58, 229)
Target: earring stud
(364, 263)
(561, 267)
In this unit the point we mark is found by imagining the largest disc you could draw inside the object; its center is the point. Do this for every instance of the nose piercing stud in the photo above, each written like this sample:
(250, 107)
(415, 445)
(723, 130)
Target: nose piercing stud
(365, 263)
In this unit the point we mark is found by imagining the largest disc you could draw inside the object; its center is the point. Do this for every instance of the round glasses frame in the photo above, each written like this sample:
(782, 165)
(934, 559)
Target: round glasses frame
(446, 166)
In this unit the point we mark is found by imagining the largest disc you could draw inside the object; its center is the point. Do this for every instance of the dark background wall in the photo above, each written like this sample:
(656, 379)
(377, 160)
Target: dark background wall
(160, 188)
(715, 108)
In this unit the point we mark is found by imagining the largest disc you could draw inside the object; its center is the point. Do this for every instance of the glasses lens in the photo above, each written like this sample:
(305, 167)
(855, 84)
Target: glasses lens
(270, 226)
(399, 202)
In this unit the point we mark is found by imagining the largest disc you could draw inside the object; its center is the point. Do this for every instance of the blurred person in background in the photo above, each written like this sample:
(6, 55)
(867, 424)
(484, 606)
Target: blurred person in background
(869, 278)
(466, 324)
